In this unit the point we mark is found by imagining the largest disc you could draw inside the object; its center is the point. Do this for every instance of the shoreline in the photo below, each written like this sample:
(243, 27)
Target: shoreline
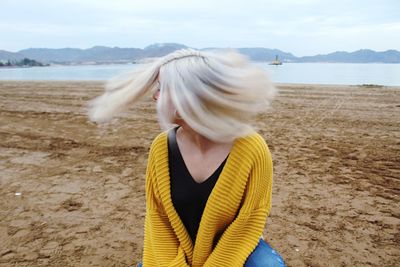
(277, 84)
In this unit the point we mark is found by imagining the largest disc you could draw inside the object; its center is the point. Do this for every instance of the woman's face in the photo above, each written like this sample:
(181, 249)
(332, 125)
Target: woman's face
(173, 112)
(156, 95)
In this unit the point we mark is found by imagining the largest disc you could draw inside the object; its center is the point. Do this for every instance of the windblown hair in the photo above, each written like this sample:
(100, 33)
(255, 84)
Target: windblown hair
(215, 93)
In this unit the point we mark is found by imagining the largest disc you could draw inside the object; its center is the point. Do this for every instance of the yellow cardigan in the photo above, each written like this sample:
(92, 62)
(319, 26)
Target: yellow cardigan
(234, 216)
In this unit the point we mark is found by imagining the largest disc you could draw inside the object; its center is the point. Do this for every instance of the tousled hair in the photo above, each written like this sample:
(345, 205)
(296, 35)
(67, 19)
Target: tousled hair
(215, 93)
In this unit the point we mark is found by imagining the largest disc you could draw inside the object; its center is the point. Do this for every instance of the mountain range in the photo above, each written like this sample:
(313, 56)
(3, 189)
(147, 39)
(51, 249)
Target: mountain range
(104, 55)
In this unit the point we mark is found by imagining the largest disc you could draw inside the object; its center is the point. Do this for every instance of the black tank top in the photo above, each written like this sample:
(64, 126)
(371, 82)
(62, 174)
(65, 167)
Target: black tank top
(188, 197)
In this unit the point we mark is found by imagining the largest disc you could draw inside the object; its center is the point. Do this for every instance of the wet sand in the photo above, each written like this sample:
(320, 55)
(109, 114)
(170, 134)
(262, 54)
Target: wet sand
(72, 194)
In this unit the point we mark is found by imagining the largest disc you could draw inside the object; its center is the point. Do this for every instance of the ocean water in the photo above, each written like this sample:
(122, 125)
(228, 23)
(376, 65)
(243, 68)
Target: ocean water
(305, 73)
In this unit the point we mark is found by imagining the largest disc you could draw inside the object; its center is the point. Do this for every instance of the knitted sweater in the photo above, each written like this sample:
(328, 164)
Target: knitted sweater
(233, 219)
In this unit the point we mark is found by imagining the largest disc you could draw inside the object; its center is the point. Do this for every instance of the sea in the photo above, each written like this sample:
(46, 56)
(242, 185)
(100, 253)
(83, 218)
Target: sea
(292, 73)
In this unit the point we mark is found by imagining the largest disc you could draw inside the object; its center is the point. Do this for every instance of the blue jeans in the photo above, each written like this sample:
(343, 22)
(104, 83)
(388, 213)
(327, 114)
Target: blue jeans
(262, 256)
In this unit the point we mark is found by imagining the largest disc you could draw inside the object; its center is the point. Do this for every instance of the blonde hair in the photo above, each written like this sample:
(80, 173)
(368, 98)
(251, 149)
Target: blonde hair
(215, 93)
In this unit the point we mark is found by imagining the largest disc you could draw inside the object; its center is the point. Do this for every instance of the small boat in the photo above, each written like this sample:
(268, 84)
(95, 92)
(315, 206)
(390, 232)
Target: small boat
(276, 61)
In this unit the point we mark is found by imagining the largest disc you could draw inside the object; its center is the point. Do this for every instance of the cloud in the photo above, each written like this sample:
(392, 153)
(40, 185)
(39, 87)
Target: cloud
(314, 25)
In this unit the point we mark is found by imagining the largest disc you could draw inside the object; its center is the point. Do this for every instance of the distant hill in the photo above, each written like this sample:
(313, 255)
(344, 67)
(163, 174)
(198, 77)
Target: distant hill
(360, 56)
(100, 54)
(5, 55)
(96, 54)
(159, 50)
(265, 54)
(104, 55)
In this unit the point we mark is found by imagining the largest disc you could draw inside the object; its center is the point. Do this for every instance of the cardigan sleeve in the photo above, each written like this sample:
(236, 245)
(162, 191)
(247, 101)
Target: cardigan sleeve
(161, 246)
(242, 236)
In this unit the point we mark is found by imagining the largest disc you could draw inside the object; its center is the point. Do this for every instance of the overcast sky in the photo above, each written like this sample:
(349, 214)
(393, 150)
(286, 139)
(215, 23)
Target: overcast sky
(302, 27)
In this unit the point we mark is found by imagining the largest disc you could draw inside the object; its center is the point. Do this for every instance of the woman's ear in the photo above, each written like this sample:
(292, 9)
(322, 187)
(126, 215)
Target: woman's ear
(156, 95)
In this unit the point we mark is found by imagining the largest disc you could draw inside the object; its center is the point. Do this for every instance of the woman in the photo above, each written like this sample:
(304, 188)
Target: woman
(209, 173)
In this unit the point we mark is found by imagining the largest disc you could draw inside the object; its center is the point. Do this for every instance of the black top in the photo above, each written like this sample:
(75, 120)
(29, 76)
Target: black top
(188, 197)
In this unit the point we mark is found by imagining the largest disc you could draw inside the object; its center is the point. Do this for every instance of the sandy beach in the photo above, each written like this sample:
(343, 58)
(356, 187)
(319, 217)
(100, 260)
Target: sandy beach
(72, 193)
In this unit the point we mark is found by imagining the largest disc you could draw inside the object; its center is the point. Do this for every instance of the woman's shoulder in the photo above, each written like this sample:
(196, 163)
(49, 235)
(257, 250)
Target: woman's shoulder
(158, 141)
(255, 144)
(159, 137)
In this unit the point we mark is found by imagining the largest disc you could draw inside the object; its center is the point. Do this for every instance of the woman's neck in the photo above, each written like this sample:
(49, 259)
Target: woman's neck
(185, 132)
